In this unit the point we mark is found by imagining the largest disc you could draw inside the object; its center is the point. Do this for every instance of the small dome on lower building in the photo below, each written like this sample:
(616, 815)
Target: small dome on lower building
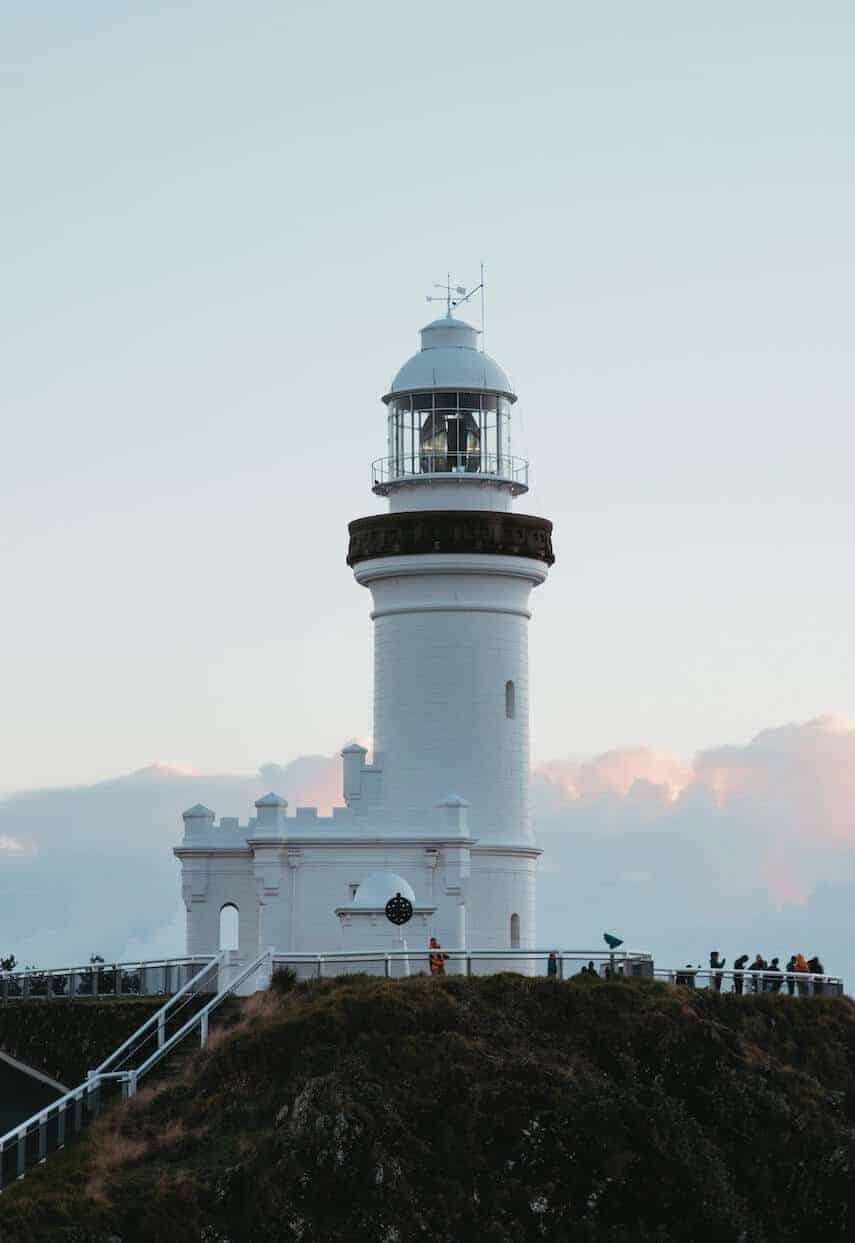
(379, 887)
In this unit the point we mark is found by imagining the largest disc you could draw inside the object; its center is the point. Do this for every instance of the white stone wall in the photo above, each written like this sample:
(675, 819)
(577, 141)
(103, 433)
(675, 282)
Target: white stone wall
(450, 632)
(229, 879)
(290, 900)
(467, 492)
(502, 886)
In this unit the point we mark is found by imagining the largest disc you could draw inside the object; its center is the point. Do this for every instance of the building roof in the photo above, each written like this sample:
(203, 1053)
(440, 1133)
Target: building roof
(198, 812)
(379, 887)
(271, 800)
(450, 359)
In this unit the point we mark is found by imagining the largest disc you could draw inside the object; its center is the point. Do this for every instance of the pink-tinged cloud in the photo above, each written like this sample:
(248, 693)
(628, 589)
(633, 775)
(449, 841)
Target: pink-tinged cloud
(616, 772)
(804, 774)
(790, 792)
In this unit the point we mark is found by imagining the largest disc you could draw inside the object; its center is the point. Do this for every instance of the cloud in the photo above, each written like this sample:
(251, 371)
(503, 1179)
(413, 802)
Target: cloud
(737, 848)
(749, 847)
(91, 870)
(617, 772)
(14, 846)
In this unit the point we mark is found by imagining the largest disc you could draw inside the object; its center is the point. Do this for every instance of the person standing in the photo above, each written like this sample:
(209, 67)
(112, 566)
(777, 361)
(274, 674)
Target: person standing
(791, 979)
(801, 968)
(758, 964)
(716, 966)
(552, 965)
(738, 977)
(816, 968)
(775, 980)
(436, 960)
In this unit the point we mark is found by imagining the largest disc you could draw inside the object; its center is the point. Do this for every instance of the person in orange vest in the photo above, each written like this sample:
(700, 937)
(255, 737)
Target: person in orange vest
(437, 961)
(801, 964)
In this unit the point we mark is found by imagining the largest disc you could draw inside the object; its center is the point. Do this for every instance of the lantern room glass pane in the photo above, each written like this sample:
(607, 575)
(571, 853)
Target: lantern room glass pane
(447, 432)
(449, 440)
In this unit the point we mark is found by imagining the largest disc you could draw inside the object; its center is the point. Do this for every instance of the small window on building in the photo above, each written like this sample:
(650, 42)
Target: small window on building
(510, 700)
(229, 921)
(515, 932)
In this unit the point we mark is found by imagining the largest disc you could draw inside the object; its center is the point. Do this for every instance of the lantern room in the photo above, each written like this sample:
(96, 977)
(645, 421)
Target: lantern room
(449, 415)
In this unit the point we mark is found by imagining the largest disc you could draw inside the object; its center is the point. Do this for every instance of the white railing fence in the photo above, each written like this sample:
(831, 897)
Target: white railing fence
(118, 1076)
(158, 977)
(746, 983)
(394, 964)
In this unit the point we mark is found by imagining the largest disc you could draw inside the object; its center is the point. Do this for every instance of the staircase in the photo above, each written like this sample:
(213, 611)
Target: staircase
(118, 1076)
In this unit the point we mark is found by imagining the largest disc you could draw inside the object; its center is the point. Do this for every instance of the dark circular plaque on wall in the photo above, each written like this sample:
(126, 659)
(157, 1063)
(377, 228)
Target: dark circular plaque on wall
(399, 910)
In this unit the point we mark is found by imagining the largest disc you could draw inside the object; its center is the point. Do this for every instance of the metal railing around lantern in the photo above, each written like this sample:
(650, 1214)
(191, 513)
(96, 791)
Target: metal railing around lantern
(462, 466)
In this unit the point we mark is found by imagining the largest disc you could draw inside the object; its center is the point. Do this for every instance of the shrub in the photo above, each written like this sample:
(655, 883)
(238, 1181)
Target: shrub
(284, 980)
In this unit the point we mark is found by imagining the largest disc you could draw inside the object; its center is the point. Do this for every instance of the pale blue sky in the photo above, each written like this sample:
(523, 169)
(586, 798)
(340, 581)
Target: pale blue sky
(219, 225)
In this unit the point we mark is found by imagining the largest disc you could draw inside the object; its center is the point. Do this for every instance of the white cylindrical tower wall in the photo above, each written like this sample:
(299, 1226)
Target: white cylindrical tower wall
(451, 693)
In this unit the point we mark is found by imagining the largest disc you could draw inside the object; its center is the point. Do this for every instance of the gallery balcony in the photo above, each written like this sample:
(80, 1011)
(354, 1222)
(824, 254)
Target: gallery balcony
(463, 467)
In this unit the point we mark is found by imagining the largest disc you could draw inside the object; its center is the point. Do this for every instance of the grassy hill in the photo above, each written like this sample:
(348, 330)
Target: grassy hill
(495, 1109)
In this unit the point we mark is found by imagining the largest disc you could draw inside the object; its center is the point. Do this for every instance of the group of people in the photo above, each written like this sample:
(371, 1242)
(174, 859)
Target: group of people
(552, 967)
(773, 976)
(759, 976)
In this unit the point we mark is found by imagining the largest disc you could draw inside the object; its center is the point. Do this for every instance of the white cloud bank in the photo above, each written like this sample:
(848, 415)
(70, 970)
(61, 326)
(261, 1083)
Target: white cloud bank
(750, 848)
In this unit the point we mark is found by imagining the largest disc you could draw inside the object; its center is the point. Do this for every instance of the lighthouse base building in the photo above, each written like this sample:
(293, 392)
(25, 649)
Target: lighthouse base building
(441, 814)
(315, 884)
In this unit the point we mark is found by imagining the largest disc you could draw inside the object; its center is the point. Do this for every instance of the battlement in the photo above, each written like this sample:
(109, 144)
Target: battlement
(274, 818)
(361, 784)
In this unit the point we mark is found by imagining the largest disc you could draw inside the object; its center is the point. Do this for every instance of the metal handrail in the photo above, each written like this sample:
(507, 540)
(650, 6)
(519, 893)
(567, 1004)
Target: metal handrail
(137, 963)
(469, 466)
(101, 1071)
(462, 961)
(421, 951)
(200, 1018)
(22, 981)
(762, 976)
(88, 1092)
(158, 1019)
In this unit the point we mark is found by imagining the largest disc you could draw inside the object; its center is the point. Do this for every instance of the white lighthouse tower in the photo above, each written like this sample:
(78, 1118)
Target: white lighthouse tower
(442, 812)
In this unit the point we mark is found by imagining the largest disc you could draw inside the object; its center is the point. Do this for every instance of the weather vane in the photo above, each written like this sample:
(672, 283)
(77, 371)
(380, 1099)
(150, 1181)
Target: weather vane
(455, 295)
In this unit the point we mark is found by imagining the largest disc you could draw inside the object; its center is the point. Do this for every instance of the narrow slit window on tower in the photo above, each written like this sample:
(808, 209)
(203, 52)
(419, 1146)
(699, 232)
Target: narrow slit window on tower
(229, 921)
(515, 932)
(510, 700)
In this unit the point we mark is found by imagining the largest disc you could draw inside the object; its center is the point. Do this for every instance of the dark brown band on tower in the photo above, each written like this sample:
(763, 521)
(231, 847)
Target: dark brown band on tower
(452, 530)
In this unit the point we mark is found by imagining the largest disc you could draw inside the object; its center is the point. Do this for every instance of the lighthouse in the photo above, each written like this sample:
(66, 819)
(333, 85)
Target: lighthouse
(440, 812)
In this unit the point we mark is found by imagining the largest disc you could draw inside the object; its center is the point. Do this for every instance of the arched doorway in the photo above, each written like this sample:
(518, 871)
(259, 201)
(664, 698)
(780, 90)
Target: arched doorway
(229, 927)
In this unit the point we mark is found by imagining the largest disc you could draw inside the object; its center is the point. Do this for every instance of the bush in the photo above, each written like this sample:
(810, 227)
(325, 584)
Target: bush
(283, 980)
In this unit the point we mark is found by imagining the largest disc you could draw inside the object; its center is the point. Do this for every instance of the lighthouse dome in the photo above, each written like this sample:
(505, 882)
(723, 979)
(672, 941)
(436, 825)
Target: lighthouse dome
(450, 359)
